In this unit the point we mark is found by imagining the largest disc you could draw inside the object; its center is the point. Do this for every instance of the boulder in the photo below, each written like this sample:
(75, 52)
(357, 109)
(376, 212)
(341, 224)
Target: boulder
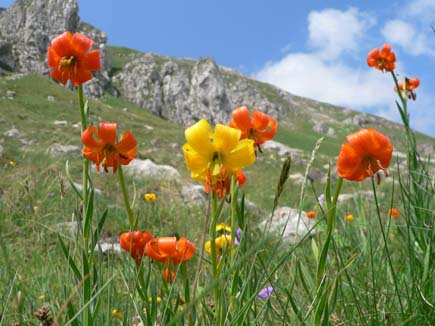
(289, 223)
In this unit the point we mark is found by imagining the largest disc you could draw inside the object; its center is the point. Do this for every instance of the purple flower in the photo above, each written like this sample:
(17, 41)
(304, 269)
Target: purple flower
(265, 293)
(238, 236)
(51, 194)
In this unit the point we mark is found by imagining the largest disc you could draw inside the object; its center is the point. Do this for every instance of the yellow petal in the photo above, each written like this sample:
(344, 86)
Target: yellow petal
(199, 137)
(207, 247)
(225, 138)
(196, 162)
(241, 156)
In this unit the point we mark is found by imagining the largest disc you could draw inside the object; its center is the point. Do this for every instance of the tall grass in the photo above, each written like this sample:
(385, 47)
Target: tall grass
(373, 270)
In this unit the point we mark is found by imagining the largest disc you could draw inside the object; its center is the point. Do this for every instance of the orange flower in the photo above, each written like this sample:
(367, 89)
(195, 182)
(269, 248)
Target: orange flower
(311, 214)
(101, 146)
(394, 213)
(135, 242)
(70, 58)
(222, 187)
(366, 152)
(260, 127)
(384, 60)
(409, 86)
(170, 252)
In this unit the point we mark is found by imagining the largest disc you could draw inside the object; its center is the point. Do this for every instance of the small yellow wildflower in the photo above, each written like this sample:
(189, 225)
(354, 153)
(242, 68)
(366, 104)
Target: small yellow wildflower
(150, 197)
(348, 217)
(41, 297)
(117, 314)
(158, 299)
(12, 163)
(221, 242)
(222, 227)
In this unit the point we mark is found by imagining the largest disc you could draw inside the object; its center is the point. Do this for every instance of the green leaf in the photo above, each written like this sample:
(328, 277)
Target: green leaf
(71, 182)
(70, 259)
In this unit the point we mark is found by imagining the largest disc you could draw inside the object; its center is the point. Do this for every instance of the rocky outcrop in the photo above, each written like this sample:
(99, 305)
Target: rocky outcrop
(28, 26)
(185, 91)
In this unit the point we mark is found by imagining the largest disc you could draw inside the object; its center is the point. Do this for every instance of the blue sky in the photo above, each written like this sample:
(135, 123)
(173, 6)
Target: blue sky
(315, 49)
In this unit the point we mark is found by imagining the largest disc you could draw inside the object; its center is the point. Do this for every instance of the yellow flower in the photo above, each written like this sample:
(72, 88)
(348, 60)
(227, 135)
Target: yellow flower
(12, 163)
(117, 314)
(158, 299)
(221, 242)
(41, 297)
(150, 197)
(222, 227)
(214, 156)
(348, 217)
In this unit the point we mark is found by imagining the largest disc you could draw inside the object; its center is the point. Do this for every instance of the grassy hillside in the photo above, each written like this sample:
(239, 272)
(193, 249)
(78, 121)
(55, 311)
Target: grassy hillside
(37, 202)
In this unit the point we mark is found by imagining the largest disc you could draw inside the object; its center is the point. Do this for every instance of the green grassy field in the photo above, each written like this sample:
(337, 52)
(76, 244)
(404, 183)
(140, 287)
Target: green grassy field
(375, 273)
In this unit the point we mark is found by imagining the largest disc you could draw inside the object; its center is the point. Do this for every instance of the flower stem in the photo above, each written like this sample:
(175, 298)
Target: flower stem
(87, 318)
(125, 196)
(85, 160)
(214, 269)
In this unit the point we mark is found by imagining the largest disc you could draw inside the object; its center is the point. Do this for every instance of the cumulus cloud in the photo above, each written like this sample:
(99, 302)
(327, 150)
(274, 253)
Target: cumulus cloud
(326, 74)
(424, 10)
(332, 32)
(405, 35)
(309, 75)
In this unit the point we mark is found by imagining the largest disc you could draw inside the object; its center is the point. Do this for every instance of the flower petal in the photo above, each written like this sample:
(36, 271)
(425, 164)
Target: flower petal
(91, 61)
(349, 164)
(241, 118)
(81, 43)
(107, 132)
(241, 156)
(127, 142)
(225, 138)
(88, 138)
(196, 162)
(199, 137)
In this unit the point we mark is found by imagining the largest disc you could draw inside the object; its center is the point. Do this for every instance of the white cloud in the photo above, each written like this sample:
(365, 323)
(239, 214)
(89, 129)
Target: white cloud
(310, 76)
(332, 32)
(405, 35)
(424, 10)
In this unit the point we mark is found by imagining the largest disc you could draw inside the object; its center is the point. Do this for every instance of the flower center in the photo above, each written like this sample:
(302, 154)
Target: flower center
(67, 62)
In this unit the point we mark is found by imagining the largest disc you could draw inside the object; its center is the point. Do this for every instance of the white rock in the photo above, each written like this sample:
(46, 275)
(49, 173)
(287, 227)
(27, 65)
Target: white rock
(13, 133)
(56, 149)
(106, 247)
(296, 178)
(147, 168)
(292, 225)
(61, 123)
(194, 194)
(281, 148)
(10, 94)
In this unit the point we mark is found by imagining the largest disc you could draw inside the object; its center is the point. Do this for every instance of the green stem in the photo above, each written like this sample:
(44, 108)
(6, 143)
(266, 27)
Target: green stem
(125, 196)
(330, 228)
(85, 160)
(396, 286)
(85, 173)
(214, 269)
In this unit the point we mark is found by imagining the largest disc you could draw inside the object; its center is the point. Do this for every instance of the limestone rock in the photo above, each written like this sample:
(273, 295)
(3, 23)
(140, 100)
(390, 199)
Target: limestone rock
(194, 194)
(281, 148)
(59, 149)
(288, 222)
(14, 133)
(147, 168)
